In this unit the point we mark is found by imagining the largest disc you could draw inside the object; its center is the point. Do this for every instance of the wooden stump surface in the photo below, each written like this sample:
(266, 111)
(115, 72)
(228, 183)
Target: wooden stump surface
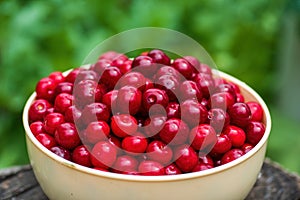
(273, 183)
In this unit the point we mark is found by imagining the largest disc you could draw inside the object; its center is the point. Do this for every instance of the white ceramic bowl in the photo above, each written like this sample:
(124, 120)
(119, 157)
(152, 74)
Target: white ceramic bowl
(62, 179)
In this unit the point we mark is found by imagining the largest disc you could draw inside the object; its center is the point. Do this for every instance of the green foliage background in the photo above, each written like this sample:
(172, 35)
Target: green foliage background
(38, 37)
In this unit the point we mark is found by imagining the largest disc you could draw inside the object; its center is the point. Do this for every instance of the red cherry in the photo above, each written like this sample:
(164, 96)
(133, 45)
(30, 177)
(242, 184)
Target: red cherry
(62, 152)
(189, 90)
(155, 96)
(173, 110)
(45, 89)
(103, 155)
(184, 67)
(134, 79)
(186, 158)
(160, 152)
(174, 132)
(203, 137)
(66, 135)
(256, 111)
(123, 125)
(222, 145)
(151, 168)
(240, 114)
(172, 169)
(64, 87)
(81, 156)
(154, 125)
(159, 56)
(255, 131)
(46, 140)
(95, 112)
(135, 144)
(193, 113)
(52, 121)
(145, 65)
(125, 164)
(218, 119)
(71, 77)
(110, 77)
(236, 135)
(38, 110)
(62, 102)
(129, 100)
(231, 155)
(37, 128)
(72, 114)
(57, 77)
(246, 147)
(109, 99)
(97, 131)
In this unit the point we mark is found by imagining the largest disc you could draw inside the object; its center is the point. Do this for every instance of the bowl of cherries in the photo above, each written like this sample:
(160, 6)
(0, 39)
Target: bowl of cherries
(147, 127)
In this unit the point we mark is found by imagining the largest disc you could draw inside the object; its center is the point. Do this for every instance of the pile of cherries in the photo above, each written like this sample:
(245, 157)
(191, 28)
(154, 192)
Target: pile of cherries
(149, 115)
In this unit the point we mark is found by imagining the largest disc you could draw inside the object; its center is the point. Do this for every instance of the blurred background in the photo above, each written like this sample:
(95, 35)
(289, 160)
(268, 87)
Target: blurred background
(256, 41)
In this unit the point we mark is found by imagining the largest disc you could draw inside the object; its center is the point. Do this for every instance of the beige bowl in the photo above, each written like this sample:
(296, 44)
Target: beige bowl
(62, 179)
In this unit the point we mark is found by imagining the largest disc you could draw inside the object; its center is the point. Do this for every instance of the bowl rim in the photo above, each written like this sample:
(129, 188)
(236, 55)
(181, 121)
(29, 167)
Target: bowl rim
(164, 178)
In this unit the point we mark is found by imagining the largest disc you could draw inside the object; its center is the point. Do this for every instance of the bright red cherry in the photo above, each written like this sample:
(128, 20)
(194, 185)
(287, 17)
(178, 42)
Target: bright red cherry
(145, 65)
(45, 89)
(151, 168)
(46, 140)
(37, 127)
(231, 155)
(71, 77)
(155, 96)
(123, 125)
(67, 136)
(64, 87)
(240, 114)
(186, 158)
(172, 169)
(62, 102)
(38, 110)
(109, 99)
(159, 56)
(189, 90)
(125, 164)
(193, 113)
(173, 110)
(184, 67)
(81, 156)
(256, 111)
(203, 137)
(134, 144)
(128, 100)
(174, 132)
(62, 152)
(236, 135)
(57, 77)
(95, 112)
(110, 77)
(52, 121)
(97, 131)
(246, 147)
(255, 131)
(218, 119)
(153, 125)
(221, 100)
(103, 154)
(160, 152)
(134, 79)
(222, 145)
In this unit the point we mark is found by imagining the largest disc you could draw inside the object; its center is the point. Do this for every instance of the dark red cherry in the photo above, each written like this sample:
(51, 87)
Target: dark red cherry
(159, 56)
